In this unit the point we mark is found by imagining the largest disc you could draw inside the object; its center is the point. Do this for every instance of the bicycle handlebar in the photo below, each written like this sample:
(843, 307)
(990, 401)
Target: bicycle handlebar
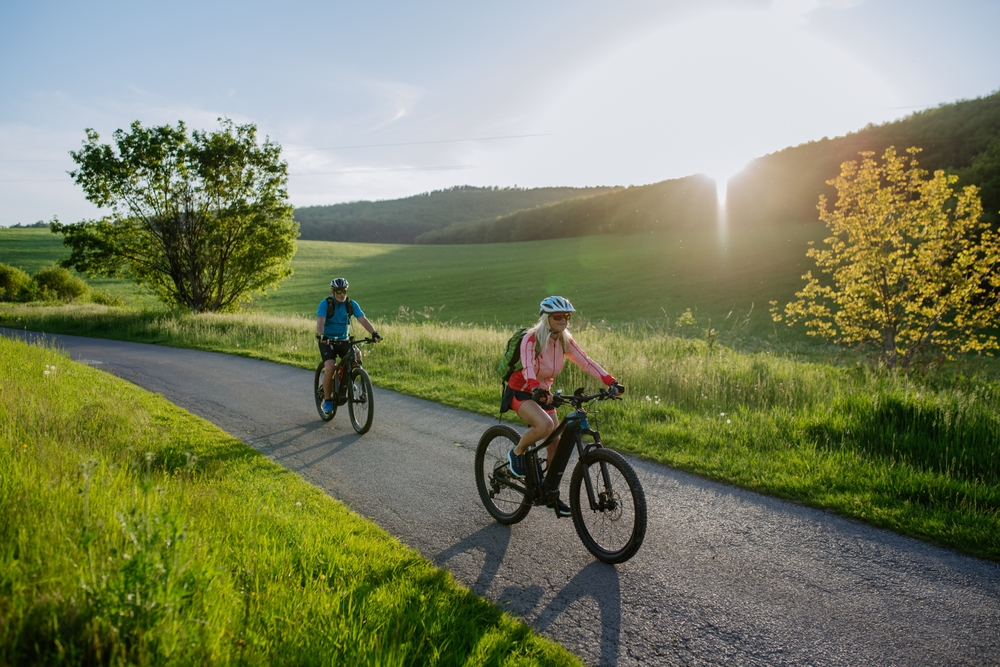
(352, 341)
(576, 400)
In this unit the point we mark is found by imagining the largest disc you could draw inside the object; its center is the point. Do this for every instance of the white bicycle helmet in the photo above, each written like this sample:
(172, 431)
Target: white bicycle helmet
(338, 283)
(555, 304)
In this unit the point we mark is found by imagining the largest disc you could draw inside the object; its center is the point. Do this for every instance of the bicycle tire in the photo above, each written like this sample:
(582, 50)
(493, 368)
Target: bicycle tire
(318, 394)
(360, 401)
(612, 535)
(505, 503)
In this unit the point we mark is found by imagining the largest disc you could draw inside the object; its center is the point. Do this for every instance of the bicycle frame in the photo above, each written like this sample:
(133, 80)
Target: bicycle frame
(350, 360)
(544, 488)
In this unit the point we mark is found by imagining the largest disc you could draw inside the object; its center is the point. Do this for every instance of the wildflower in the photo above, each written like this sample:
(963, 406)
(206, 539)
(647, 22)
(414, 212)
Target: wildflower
(728, 422)
(648, 398)
(46, 372)
(298, 504)
(722, 414)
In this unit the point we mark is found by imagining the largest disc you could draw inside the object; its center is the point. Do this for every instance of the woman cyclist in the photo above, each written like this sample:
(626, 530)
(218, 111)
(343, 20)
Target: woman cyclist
(544, 350)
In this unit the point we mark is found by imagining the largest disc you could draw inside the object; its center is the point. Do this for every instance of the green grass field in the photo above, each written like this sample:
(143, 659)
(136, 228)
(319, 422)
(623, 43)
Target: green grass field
(32, 249)
(618, 279)
(132, 532)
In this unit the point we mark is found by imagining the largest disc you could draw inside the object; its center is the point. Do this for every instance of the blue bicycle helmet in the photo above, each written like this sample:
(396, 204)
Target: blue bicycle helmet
(555, 304)
(338, 283)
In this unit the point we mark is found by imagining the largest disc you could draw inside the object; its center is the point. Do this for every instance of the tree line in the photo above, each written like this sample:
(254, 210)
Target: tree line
(962, 138)
(678, 203)
(403, 220)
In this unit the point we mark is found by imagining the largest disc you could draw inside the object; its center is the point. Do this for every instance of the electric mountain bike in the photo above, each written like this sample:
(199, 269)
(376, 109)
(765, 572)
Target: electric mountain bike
(356, 391)
(606, 498)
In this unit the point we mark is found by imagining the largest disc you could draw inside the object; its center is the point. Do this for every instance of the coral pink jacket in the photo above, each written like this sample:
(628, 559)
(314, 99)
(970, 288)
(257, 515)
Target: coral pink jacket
(541, 370)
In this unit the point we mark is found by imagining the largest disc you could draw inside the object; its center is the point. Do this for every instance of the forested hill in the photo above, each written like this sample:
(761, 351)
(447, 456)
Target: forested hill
(962, 138)
(675, 204)
(403, 220)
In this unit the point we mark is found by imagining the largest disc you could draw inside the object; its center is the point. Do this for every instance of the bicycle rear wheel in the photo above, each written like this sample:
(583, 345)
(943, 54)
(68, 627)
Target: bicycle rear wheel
(613, 530)
(360, 402)
(504, 501)
(318, 393)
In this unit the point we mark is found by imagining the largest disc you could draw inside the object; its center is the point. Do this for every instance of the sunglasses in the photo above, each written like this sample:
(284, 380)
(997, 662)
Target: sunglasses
(561, 316)
(340, 291)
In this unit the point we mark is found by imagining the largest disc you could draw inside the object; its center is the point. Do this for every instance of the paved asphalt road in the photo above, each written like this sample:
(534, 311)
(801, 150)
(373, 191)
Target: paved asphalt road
(725, 577)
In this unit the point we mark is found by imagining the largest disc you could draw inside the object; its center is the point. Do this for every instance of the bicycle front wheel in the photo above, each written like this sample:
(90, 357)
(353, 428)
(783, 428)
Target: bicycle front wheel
(360, 403)
(614, 526)
(318, 394)
(501, 493)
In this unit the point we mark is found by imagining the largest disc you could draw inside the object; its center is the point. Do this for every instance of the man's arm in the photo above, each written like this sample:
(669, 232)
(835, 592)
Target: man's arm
(369, 327)
(320, 324)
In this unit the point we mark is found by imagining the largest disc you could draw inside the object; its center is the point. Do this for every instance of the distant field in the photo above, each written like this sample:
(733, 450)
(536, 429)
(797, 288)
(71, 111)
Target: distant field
(32, 249)
(618, 279)
(615, 278)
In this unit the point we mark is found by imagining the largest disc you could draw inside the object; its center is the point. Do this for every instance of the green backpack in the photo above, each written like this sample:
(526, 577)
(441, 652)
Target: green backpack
(510, 362)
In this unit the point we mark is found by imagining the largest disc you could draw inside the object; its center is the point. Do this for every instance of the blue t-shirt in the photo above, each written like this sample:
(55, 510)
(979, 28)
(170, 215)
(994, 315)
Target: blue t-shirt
(338, 325)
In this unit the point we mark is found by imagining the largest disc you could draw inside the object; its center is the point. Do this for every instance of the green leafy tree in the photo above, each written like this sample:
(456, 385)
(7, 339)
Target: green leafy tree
(910, 270)
(202, 220)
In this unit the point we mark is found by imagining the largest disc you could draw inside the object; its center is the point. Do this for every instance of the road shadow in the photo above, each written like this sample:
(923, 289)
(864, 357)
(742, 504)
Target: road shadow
(493, 540)
(279, 446)
(598, 581)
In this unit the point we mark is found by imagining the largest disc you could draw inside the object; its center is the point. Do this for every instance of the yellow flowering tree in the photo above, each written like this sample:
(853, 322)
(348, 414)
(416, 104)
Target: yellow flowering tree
(910, 269)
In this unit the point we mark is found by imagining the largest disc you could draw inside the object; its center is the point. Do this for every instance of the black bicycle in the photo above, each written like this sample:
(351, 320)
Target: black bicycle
(606, 499)
(356, 392)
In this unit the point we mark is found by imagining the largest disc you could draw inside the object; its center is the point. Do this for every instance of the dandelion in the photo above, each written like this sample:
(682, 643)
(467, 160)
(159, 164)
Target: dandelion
(298, 504)
(46, 372)
(728, 422)
(648, 398)
(722, 414)
(127, 556)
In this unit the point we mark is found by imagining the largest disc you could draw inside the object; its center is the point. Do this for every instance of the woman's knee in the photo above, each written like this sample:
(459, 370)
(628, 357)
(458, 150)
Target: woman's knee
(546, 427)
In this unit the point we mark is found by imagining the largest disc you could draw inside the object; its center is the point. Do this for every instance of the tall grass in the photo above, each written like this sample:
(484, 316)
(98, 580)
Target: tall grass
(915, 455)
(132, 532)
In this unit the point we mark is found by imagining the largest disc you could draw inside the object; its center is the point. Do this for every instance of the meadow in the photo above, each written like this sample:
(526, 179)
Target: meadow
(132, 532)
(617, 279)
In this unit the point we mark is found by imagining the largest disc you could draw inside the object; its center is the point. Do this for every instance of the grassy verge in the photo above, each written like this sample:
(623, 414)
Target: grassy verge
(917, 456)
(132, 532)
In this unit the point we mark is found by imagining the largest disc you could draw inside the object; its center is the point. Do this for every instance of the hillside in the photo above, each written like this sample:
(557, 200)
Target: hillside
(962, 138)
(675, 204)
(403, 220)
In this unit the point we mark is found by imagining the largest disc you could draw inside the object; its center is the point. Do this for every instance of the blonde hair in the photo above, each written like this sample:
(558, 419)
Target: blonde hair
(542, 332)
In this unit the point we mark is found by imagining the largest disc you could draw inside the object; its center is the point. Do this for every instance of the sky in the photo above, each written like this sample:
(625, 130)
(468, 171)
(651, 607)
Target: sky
(387, 99)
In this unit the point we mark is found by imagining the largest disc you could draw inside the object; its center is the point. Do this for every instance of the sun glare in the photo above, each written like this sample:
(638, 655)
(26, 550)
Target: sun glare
(722, 174)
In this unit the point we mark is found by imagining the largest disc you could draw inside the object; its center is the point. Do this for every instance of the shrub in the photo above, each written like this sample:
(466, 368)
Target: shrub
(57, 283)
(105, 299)
(15, 284)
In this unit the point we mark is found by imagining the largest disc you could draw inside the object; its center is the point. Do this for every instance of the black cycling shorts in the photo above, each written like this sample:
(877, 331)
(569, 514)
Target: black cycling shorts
(336, 348)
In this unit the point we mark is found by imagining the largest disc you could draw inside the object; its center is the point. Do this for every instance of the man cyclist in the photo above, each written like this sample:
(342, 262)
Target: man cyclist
(333, 324)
